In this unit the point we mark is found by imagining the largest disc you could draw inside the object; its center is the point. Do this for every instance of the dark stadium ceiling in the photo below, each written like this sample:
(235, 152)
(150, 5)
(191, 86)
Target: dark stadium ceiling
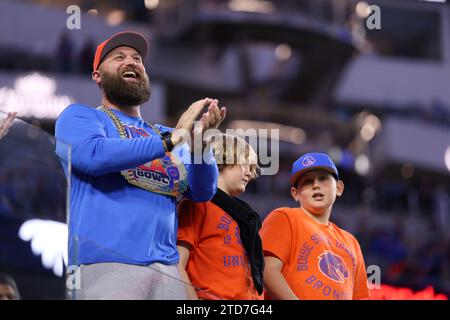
(303, 101)
(324, 54)
(300, 101)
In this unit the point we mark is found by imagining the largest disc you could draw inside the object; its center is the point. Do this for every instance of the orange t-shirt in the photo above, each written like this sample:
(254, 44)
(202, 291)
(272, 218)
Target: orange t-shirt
(320, 262)
(218, 266)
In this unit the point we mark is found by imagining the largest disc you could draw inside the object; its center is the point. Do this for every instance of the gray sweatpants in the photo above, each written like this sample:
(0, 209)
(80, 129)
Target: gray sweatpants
(118, 281)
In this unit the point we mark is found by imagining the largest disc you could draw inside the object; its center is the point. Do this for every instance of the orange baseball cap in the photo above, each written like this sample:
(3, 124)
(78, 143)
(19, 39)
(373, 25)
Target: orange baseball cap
(127, 38)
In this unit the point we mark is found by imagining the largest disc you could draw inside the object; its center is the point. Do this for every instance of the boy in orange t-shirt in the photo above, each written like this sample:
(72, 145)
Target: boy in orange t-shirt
(218, 241)
(307, 256)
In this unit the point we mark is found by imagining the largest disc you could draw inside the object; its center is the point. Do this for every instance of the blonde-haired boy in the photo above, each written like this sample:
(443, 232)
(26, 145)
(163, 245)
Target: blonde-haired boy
(218, 241)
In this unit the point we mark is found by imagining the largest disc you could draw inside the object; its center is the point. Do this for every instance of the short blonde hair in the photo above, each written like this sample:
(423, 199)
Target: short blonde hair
(231, 150)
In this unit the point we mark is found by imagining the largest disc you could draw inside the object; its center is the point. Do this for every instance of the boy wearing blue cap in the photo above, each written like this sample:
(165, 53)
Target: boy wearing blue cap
(306, 255)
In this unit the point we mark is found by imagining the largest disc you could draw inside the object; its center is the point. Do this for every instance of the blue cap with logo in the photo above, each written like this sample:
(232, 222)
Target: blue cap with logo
(312, 161)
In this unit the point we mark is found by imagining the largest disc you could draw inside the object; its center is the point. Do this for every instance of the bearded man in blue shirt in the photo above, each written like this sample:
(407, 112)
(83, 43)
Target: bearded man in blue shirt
(125, 178)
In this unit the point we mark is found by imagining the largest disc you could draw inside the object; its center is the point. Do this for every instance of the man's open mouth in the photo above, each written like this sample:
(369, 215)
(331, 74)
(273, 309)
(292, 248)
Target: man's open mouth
(130, 74)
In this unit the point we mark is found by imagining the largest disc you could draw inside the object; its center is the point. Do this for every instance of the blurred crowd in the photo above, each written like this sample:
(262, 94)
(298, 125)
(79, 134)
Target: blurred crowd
(30, 193)
(407, 259)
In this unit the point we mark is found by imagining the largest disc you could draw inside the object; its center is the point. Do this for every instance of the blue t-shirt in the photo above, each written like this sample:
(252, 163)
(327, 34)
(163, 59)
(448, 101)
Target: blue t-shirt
(112, 220)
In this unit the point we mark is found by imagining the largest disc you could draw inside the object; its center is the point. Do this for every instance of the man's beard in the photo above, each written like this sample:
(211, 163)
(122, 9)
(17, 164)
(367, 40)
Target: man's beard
(126, 93)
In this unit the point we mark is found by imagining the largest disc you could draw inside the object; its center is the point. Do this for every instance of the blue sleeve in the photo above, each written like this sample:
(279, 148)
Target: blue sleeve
(202, 177)
(92, 152)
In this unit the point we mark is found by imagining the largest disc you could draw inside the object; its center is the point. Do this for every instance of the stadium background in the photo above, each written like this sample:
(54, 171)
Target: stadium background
(378, 101)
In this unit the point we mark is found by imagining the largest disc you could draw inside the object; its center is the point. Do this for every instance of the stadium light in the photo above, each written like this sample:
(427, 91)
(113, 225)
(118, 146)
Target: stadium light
(115, 17)
(289, 134)
(283, 51)
(362, 165)
(438, 1)
(362, 9)
(251, 6)
(151, 4)
(447, 158)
